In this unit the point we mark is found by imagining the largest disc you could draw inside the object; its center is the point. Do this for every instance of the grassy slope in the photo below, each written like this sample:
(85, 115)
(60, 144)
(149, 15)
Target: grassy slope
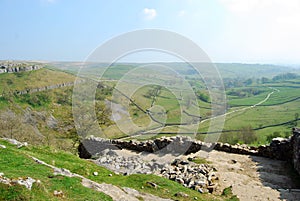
(33, 79)
(16, 163)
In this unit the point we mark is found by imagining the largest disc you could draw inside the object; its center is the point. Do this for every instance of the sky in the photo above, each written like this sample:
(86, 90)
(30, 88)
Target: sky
(248, 31)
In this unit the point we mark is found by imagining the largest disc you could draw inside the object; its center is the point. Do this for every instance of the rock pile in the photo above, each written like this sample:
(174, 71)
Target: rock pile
(200, 177)
(128, 165)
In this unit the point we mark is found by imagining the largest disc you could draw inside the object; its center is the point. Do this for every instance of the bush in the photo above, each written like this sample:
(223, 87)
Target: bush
(245, 135)
(248, 135)
(36, 99)
(229, 137)
(273, 135)
(65, 97)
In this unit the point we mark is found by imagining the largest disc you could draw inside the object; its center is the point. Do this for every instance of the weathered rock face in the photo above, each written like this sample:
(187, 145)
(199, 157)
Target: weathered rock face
(28, 91)
(296, 149)
(18, 67)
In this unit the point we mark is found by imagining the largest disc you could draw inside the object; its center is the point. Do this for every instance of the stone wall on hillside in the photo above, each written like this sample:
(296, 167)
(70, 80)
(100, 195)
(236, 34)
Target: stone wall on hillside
(280, 148)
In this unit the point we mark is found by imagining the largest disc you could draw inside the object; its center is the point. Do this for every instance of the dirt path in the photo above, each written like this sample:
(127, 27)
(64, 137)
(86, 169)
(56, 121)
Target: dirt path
(254, 178)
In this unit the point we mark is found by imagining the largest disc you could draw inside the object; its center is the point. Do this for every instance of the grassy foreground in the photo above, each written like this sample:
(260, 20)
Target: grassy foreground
(16, 163)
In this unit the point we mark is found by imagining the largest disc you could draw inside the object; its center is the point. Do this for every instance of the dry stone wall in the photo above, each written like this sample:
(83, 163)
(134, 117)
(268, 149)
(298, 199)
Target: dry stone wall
(280, 148)
(296, 149)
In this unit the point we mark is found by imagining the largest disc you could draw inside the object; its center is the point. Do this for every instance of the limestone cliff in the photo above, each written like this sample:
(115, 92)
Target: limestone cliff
(7, 67)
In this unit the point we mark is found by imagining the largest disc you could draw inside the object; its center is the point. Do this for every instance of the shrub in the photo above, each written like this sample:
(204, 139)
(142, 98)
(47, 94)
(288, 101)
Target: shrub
(273, 135)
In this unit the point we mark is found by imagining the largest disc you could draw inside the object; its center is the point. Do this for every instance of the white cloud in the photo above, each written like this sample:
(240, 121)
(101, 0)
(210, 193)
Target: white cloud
(149, 13)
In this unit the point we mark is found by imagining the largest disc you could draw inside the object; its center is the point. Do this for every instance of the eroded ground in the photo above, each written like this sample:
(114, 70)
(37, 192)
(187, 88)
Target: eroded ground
(255, 178)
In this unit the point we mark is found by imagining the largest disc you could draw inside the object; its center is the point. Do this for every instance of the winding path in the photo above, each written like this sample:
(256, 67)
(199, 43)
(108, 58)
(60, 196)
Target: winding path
(246, 108)
(208, 119)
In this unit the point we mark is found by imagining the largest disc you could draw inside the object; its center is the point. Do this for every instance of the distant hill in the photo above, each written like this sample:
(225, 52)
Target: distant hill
(227, 70)
(252, 70)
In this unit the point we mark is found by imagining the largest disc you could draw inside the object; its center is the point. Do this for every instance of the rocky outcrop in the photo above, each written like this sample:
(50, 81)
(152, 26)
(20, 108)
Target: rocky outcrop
(34, 90)
(27, 181)
(18, 67)
(39, 89)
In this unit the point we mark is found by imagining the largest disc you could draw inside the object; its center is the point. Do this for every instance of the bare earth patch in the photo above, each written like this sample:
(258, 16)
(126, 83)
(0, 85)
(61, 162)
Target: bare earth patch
(254, 178)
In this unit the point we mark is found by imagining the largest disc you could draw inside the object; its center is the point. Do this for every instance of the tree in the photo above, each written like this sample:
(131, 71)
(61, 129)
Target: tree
(272, 136)
(264, 80)
(248, 82)
(103, 114)
(10, 122)
(229, 137)
(296, 118)
(153, 92)
(203, 96)
(248, 135)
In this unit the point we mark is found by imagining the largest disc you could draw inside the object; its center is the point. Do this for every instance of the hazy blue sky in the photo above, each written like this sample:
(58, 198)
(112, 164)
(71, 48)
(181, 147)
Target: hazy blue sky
(262, 31)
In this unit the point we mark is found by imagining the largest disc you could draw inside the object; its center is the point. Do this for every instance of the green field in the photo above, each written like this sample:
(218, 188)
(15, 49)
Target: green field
(276, 102)
(167, 109)
(285, 94)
